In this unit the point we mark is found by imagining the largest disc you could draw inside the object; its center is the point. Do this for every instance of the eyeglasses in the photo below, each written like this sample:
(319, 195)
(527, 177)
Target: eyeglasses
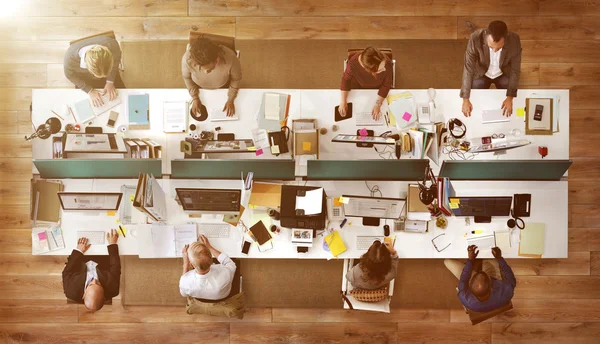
(498, 136)
(434, 245)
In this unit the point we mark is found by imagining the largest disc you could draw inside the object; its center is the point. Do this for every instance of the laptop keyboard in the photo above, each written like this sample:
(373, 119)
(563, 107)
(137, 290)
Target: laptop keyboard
(214, 230)
(364, 242)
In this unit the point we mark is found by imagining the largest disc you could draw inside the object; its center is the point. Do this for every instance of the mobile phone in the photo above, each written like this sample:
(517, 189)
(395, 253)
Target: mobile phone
(112, 119)
(537, 115)
(245, 247)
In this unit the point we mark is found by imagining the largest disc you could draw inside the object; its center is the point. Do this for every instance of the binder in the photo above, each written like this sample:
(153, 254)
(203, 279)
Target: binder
(150, 198)
(154, 148)
(139, 111)
(45, 206)
(143, 149)
(133, 150)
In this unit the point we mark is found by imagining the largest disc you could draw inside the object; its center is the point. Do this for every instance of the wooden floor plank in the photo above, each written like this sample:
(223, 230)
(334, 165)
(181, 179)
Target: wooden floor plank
(15, 169)
(104, 8)
(560, 51)
(129, 28)
(33, 52)
(37, 311)
(16, 240)
(584, 239)
(583, 215)
(570, 74)
(595, 263)
(345, 28)
(14, 146)
(443, 333)
(582, 192)
(13, 122)
(530, 74)
(26, 264)
(15, 216)
(290, 315)
(15, 99)
(558, 287)
(582, 130)
(543, 333)
(584, 169)
(260, 8)
(578, 263)
(23, 74)
(569, 8)
(207, 333)
(25, 287)
(533, 27)
(584, 98)
(55, 73)
(544, 310)
(14, 193)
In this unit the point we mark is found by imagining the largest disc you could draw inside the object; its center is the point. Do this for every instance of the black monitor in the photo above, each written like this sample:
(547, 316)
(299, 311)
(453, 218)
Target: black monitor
(371, 209)
(482, 208)
(210, 201)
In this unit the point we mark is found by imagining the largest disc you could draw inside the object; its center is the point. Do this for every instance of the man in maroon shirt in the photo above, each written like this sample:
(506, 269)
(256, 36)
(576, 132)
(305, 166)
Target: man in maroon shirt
(369, 69)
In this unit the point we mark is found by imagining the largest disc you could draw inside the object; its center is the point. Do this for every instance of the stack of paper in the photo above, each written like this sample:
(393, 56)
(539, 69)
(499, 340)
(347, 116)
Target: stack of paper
(175, 115)
(532, 240)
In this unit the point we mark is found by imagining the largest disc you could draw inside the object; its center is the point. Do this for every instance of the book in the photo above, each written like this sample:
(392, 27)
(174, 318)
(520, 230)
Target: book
(82, 111)
(335, 243)
(260, 232)
(45, 240)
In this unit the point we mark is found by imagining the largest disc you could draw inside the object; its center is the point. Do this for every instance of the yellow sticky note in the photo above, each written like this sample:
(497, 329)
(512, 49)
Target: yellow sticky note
(122, 228)
(344, 200)
(337, 202)
(453, 205)
(521, 112)
(251, 149)
(251, 206)
(306, 146)
(111, 212)
(131, 198)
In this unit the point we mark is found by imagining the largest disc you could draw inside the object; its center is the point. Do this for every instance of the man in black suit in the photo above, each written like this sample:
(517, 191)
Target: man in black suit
(93, 279)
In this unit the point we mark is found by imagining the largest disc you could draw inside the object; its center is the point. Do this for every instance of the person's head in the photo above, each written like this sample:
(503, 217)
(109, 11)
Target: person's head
(495, 34)
(377, 262)
(372, 60)
(481, 285)
(99, 61)
(93, 297)
(200, 257)
(206, 54)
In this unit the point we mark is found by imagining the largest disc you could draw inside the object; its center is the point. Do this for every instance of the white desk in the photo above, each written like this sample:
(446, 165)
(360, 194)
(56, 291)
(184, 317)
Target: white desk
(549, 199)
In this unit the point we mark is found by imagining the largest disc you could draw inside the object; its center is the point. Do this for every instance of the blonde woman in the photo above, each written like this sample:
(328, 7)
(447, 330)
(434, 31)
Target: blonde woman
(93, 66)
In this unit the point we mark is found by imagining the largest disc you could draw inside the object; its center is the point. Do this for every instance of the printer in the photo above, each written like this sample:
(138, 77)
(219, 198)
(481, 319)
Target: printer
(292, 218)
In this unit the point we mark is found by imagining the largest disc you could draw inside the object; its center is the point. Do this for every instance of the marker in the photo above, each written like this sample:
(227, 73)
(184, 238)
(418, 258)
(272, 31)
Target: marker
(121, 228)
(343, 223)
(478, 231)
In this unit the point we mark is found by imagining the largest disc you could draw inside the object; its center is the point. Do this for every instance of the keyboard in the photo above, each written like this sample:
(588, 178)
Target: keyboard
(214, 230)
(94, 237)
(364, 242)
(366, 119)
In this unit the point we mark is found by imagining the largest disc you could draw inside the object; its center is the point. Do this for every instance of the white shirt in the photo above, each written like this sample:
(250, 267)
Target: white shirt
(214, 285)
(82, 52)
(494, 70)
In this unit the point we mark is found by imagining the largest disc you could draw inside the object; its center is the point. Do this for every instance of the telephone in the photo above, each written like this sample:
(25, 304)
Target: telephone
(522, 205)
(279, 141)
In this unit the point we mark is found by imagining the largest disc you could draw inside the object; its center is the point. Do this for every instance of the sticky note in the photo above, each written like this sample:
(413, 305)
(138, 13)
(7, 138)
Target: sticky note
(251, 149)
(124, 230)
(111, 212)
(274, 149)
(363, 132)
(131, 198)
(521, 112)
(337, 202)
(306, 145)
(453, 206)
(42, 235)
(259, 152)
(344, 200)
(407, 116)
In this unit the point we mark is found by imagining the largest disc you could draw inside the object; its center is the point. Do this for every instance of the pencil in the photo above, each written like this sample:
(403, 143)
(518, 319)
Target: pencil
(121, 228)
(72, 114)
(57, 115)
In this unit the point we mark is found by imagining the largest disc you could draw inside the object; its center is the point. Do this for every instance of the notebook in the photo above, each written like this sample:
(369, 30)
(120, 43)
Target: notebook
(260, 232)
(335, 243)
(532, 240)
(82, 111)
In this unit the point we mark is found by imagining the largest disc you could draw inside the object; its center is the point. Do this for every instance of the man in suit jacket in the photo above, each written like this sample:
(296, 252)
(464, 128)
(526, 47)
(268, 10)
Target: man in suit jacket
(93, 64)
(93, 279)
(493, 56)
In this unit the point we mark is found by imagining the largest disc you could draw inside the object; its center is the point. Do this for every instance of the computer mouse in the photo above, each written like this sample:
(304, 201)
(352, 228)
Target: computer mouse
(386, 230)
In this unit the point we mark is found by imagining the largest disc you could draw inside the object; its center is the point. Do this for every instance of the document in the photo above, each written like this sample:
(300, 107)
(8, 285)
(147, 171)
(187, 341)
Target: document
(175, 116)
(503, 240)
(311, 203)
(532, 239)
(260, 138)
(218, 115)
(168, 241)
(493, 116)
(272, 106)
(184, 235)
(82, 111)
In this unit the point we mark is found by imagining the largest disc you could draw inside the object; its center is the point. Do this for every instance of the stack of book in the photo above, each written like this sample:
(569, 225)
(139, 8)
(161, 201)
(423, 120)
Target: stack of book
(445, 190)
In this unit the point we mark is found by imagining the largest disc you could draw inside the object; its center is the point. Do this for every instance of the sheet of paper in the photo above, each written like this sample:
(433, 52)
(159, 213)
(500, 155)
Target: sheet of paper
(272, 106)
(503, 240)
(311, 203)
(533, 238)
(163, 240)
(260, 138)
(184, 235)
(217, 115)
(493, 116)
(175, 116)
(56, 240)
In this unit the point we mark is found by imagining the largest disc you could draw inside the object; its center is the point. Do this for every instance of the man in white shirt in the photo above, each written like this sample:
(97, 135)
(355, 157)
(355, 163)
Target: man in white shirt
(201, 278)
(493, 56)
(93, 279)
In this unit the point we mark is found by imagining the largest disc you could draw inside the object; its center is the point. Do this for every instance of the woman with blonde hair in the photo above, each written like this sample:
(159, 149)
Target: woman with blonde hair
(92, 65)
(376, 269)
(369, 69)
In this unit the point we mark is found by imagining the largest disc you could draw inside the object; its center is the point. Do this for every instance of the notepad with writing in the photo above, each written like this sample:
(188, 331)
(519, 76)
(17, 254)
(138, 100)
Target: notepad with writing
(335, 243)
(532, 240)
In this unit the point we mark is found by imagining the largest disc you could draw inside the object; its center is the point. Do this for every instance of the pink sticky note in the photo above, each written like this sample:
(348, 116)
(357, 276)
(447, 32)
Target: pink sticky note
(259, 152)
(363, 132)
(42, 235)
(406, 116)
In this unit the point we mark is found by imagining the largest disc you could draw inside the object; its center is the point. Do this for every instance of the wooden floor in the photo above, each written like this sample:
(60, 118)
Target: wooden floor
(556, 301)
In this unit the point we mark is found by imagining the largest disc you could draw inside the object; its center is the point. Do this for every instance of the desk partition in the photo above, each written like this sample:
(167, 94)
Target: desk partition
(381, 169)
(97, 168)
(276, 169)
(505, 169)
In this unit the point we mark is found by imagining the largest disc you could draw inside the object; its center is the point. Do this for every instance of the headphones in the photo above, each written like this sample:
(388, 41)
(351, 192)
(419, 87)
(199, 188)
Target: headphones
(427, 194)
(457, 128)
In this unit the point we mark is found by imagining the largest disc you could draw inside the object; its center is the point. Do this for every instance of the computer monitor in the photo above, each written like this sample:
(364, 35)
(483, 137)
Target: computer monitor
(371, 209)
(210, 201)
(482, 208)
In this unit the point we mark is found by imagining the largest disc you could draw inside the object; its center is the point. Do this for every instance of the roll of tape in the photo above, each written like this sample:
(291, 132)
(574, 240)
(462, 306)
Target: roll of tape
(122, 128)
(196, 136)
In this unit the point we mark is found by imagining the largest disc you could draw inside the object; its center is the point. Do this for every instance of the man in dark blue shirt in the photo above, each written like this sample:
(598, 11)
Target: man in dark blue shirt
(484, 290)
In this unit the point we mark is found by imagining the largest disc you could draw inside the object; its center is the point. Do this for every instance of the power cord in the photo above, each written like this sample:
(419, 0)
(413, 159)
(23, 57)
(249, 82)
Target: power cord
(375, 189)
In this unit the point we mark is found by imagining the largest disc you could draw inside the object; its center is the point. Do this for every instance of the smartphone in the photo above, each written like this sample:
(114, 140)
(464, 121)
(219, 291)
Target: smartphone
(245, 247)
(537, 115)
(112, 119)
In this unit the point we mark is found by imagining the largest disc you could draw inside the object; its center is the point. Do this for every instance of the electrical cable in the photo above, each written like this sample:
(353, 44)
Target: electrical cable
(375, 189)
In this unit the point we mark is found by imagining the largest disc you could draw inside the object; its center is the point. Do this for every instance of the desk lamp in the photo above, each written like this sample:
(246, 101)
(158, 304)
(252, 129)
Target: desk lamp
(52, 126)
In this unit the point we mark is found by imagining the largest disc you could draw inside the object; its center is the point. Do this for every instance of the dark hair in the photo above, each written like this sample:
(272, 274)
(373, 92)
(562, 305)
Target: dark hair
(486, 284)
(204, 51)
(497, 29)
(377, 262)
(371, 58)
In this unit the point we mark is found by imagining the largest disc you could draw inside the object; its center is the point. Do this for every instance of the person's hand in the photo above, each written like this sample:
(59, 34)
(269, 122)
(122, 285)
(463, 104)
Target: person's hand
(112, 237)
(473, 252)
(507, 106)
(204, 240)
(196, 104)
(82, 244)
(496, 252)
(376, 112)
(96, 98)
(390, 247)
(467, 107)
(184, 254)
(229, 108)
(109, 88)
(343, 109)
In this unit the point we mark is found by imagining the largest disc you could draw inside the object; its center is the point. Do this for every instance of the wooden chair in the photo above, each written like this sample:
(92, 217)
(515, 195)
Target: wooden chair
(351, 303)
(110, 34)
(227, 41)
(386, 51)
(477, 317)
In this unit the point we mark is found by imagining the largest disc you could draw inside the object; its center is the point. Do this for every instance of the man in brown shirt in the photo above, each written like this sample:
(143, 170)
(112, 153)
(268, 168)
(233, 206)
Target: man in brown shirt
(210, 66)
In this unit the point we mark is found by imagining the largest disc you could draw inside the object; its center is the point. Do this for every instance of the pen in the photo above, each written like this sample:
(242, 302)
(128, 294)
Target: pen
(387, 120)
(53, 238)
(343, 223)
(479, 231)
(121, 228)
(57, 115)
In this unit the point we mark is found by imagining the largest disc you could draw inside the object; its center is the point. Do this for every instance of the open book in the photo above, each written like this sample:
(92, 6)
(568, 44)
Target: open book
(169, 240)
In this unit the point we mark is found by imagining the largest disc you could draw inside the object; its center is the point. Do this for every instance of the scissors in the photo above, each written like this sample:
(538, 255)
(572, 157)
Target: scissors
(515, 221)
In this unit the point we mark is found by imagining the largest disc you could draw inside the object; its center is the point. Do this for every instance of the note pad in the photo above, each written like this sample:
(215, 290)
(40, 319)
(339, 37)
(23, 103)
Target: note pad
(532, 240)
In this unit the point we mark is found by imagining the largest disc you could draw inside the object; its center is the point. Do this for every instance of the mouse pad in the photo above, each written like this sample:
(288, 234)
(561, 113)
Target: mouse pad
(338, 117)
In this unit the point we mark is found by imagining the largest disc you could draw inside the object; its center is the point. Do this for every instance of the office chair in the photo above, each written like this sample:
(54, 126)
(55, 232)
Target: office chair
(477, 317)
(227, 41)
(386, 51)
(350, 302)
(110, 34)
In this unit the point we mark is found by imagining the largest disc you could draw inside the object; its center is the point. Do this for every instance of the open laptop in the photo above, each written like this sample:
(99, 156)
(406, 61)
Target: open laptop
(210, 201)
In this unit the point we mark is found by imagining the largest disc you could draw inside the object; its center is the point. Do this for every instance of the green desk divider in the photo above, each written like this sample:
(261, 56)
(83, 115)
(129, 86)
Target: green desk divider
(381, 169)
(97, 168)
(505, 169)
(277, 169)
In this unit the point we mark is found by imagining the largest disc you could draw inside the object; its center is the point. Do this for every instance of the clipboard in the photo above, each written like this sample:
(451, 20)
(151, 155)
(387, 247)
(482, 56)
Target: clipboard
(530, 104)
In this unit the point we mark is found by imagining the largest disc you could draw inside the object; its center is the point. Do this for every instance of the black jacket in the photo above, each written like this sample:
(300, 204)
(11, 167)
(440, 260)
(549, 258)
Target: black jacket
(109, 273)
